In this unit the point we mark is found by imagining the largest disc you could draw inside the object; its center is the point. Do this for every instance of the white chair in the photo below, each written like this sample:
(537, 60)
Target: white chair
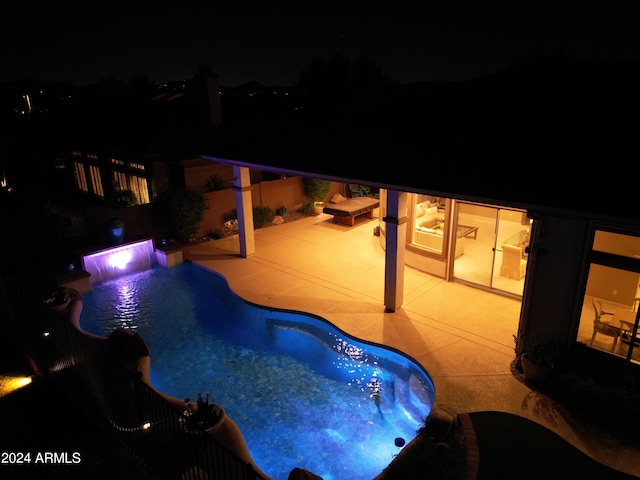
(513, 265)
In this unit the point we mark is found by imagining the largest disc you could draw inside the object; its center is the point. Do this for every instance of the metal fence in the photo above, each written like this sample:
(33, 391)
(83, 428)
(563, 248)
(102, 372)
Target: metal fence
(142, 421)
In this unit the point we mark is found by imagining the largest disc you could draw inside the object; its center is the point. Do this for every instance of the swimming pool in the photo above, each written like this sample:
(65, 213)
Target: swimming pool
(303, 393)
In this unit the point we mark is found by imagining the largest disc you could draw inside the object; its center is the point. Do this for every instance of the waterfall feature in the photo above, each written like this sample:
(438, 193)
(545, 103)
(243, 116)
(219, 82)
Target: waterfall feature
(121, 260)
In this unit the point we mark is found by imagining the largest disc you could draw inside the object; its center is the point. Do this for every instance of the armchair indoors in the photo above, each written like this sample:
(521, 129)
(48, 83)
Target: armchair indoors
(601, 326)
(513, 265)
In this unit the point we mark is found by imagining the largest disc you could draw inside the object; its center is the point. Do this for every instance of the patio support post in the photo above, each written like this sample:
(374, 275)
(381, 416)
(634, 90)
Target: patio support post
(396, 235)
(244, 208)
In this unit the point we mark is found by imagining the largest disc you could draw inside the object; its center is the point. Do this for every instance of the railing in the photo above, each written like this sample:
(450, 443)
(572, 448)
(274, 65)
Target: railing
(138, 418)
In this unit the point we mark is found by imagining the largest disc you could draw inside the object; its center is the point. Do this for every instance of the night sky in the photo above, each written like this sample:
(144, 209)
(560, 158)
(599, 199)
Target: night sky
(79, 41)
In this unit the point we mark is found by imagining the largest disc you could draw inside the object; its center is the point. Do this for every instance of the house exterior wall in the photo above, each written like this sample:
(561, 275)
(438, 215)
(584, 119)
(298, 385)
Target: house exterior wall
(138, 222)
(422, 262)
(552, 293)
(218, 203)
(196, 176)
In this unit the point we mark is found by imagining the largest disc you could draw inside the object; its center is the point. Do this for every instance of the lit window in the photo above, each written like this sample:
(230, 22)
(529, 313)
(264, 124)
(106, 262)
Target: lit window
(139, 186)
(609, 316)
(120, 181)
(96, 180)
(80, 177)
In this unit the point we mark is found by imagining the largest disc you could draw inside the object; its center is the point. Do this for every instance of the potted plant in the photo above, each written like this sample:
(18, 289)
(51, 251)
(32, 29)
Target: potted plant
(124, 198)
(205, 416)
(281, 210)
(114, 231)
(538, 360)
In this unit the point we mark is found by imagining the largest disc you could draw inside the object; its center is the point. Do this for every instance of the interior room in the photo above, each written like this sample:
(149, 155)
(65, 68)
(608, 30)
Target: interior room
(484, 261)
(610, 308)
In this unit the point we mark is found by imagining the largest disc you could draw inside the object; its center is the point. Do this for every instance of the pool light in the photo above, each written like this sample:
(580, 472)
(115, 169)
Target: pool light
(120, 260)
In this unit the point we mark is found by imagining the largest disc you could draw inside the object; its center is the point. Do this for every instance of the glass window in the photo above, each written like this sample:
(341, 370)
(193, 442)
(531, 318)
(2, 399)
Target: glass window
(96, 180)
(80, 177)
(609, 317)
(120, 181)
(616, 243)
(139, 186)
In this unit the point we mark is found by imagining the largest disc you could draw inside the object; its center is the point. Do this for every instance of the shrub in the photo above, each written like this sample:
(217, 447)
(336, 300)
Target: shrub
(308, 208)
(123, 198)
(183, 211)
(261, 215)
(230, 215)
(315, 189)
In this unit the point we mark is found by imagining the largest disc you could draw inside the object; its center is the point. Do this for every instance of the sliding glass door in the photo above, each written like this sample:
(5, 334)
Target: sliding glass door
(495, 247)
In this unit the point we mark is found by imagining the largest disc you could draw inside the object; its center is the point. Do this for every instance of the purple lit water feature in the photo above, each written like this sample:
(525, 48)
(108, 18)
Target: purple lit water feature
(121, 260)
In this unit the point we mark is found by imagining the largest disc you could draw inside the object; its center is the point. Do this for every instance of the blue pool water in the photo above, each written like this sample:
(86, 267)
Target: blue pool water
(303, 393)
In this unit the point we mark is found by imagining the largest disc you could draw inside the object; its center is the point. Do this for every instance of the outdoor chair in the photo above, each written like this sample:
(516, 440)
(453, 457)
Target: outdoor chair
(358, 190)
(603, 327)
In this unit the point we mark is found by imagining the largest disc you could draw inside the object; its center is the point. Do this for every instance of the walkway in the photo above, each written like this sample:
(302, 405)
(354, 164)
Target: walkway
(461, 335)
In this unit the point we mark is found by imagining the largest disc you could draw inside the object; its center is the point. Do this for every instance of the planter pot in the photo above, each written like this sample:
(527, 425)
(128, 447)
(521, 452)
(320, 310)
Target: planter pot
(536, 372)
(114, 231)
(211, 424)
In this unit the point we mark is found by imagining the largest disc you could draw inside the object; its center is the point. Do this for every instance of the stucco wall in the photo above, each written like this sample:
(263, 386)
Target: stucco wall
(288, 191)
